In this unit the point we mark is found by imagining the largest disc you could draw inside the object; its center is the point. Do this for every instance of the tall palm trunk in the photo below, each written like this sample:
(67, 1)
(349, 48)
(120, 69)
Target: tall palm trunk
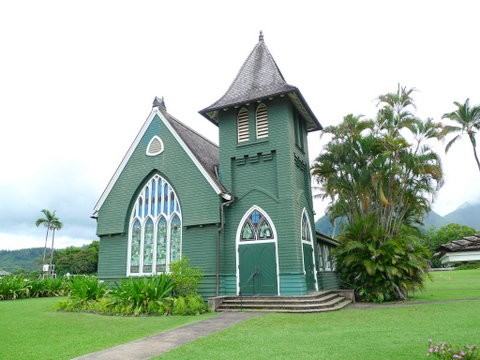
(472, 139)
(51, 255)
(45, 247)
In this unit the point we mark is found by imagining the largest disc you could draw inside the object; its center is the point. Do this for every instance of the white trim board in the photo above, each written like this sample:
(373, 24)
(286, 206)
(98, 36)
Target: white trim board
(155, 112)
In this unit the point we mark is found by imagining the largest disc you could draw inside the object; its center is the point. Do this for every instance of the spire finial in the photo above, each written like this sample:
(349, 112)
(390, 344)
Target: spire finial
(159, 102)
(260, 37)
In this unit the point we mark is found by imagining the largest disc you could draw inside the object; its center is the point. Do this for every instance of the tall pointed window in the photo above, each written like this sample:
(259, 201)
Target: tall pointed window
(155, 236)
(306, 229)
(261, 121)
(242, 125)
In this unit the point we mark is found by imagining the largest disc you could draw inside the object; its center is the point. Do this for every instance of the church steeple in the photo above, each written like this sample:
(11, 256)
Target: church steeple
(260, 78)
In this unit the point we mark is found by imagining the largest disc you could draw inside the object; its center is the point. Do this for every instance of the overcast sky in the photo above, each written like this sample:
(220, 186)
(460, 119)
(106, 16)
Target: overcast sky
(77, 80)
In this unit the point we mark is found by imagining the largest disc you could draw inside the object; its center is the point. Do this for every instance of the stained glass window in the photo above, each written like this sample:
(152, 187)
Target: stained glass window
(158, 242)
(256, 227)
(135, 247)
(162, 245)
(175, 239)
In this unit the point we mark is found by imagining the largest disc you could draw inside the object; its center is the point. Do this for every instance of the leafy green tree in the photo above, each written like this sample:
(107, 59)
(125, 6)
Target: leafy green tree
(468, 120)
(77, 260)
(381, 175)
(433, 238)
(51, 222)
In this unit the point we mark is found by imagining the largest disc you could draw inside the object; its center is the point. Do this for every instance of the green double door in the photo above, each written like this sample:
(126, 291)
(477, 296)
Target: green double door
(309, 267)
(258, 269)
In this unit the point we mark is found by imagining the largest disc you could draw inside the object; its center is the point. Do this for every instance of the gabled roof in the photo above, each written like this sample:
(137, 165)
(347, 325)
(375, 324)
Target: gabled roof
(203, 152)
(203, 149)
(260, 78)
(467, 243)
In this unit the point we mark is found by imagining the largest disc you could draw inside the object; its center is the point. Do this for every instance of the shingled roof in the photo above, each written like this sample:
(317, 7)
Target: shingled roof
(467, 243)
(203, 149)
(260, 78)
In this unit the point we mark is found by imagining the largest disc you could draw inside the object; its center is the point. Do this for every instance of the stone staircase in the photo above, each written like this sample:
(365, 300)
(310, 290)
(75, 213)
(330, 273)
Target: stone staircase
(315, 302)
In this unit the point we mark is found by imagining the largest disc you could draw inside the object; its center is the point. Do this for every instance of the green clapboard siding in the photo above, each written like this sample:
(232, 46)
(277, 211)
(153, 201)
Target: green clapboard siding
(328, 280)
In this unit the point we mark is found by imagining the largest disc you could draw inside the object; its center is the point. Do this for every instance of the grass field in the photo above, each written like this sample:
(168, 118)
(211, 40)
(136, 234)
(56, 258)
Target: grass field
(33, 329)
(365, 334)
(447, 285)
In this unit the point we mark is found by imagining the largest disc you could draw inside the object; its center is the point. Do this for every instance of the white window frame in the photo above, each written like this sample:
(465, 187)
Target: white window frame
(143, 218)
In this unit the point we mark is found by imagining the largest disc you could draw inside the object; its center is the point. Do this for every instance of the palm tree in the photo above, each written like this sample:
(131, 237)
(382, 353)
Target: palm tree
(468, 119)
(51, 222)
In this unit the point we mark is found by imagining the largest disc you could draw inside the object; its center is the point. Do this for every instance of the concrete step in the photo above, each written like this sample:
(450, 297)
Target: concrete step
(280, 299)
(340, 305)
(325, 301)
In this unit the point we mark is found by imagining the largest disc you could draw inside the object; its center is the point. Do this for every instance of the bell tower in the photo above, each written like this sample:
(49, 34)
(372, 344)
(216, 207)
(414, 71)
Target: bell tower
(267, 244)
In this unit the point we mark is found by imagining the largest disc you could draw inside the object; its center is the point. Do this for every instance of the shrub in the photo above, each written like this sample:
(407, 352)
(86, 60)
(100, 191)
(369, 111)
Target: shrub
(192, 304)
(185, 278)
(378, 267)
(87, 288)
(13, 287)
(145, 295)
(445, 351)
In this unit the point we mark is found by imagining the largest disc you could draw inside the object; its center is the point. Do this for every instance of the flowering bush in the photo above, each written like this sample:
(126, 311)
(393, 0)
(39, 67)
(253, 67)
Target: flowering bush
(446, 351)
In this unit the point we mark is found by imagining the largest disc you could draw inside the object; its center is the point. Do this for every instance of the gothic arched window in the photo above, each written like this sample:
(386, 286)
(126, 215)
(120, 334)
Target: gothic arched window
(306, 228)
(155, 229)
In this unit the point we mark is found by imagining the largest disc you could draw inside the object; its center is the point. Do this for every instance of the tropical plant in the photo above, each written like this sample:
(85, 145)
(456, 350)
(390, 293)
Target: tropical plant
(87, 288)
(383, 184)
(51, 222)
(380, 268)
(145, 295)
(468, 120)
(185, 278)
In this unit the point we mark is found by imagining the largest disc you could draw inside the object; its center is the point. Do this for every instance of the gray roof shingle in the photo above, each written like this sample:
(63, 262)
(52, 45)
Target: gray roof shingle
(259, 78)
(465, 244)
(203, 149)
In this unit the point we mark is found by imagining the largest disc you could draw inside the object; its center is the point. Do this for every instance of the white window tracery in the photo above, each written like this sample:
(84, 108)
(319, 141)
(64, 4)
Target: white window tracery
(155, 229)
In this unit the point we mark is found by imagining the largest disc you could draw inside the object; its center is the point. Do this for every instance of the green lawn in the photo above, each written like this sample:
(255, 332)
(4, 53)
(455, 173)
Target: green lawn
(33, 329)
(447, 285)
(375, 333)
(367, 334)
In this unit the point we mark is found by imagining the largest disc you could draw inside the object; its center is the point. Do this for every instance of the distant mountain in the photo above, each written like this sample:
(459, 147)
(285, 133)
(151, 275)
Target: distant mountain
(27, 259)
(467, 214)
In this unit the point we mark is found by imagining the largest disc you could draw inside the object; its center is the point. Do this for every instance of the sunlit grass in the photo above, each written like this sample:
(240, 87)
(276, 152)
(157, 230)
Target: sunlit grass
(33, 329)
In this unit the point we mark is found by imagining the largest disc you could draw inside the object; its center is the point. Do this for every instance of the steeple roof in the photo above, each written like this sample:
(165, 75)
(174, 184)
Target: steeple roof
(260, 78)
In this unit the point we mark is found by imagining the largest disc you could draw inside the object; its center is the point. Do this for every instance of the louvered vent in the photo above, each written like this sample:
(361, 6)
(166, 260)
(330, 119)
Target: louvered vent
(155, 146)
(242, 124)
(262, 121)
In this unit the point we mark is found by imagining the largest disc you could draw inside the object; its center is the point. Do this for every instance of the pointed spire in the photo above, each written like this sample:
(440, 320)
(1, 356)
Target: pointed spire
(260, 37)
(157, 102)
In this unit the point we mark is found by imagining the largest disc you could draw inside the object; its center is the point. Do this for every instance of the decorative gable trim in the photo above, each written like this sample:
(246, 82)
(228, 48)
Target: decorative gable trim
(155, 112)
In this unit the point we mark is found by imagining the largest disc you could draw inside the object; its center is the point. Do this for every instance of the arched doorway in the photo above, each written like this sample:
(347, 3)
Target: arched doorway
(257, 271)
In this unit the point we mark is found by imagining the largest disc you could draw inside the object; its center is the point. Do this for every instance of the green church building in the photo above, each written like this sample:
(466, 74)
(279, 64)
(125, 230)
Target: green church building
(241, 211)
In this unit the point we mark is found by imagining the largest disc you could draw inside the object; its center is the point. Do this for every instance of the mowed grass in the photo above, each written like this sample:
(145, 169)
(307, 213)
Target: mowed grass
(363, 334)
(33, 329)
(448, 285)
(383, 332)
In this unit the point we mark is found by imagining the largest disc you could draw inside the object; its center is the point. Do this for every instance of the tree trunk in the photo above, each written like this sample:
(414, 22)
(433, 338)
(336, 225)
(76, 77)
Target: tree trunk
(45, 248)
(472, 139)
(51, 255)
